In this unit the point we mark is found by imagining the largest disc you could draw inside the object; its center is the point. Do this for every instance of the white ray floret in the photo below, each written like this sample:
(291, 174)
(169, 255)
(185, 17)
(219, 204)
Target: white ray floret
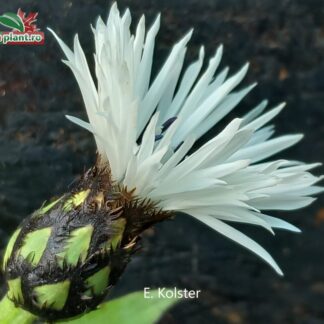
(145, 127)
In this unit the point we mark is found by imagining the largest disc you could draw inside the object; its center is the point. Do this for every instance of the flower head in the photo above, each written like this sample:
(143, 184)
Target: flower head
(145, 129)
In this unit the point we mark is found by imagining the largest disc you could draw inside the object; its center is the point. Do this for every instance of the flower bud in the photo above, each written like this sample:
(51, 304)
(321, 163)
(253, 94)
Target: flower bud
(63, 259)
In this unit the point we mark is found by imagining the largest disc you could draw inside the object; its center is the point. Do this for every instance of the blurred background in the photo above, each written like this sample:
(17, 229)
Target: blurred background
(41, 152)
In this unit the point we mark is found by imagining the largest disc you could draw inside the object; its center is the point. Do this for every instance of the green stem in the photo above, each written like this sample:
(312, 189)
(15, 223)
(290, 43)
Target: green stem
(9, 313)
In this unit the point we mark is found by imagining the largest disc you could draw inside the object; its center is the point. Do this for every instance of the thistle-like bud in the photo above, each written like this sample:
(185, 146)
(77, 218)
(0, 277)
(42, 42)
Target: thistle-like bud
(63, 259)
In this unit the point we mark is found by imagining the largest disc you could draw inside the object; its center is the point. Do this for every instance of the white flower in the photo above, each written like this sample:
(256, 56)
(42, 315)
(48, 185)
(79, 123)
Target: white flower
(133, 121)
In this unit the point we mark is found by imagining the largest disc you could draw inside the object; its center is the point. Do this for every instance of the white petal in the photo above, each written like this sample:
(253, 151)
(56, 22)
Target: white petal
(259, 122)
(145, 67)
(255, 112)
(240, 238)
(279, 223)
(261, 151)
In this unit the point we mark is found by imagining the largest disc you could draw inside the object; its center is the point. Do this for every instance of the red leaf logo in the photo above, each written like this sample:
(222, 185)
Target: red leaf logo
(29, 21)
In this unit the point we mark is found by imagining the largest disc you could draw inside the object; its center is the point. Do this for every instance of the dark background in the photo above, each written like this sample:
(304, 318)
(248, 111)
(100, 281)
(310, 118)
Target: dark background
(41, 152)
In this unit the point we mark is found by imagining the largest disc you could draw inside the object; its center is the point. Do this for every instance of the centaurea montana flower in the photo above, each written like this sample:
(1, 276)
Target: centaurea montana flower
(78, 245)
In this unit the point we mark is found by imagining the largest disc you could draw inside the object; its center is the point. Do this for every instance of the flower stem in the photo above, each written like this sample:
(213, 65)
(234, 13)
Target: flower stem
(9, 313)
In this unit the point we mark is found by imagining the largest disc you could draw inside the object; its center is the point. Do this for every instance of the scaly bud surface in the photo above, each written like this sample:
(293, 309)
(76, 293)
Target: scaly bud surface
(64, 258)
